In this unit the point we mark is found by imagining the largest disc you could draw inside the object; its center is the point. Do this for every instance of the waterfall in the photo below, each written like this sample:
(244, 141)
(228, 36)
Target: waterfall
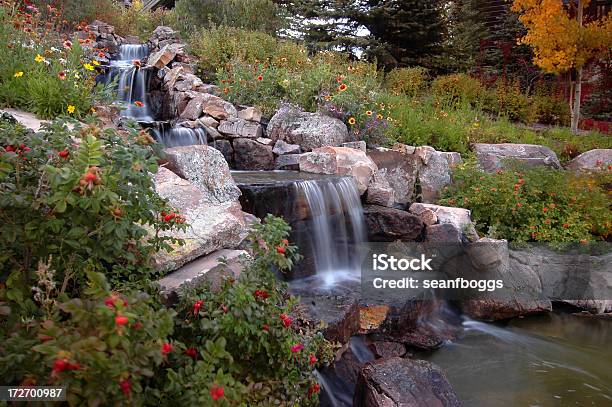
(180, 136)
(131, 82)
(337, 227)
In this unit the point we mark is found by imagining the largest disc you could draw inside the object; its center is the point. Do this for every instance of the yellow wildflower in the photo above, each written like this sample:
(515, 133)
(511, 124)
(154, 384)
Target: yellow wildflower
(71, 109)
(352, 121)
(18, 74)
(39, 58)
(96, 63)
(89, 67)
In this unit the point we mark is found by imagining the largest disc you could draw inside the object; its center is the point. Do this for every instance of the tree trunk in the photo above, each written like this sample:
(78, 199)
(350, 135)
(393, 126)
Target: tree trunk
(578, 86)
(577, 97)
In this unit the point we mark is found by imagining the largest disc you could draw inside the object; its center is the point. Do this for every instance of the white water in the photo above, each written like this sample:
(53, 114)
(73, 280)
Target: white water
(131, 82)
(180, 136)
(338, 227)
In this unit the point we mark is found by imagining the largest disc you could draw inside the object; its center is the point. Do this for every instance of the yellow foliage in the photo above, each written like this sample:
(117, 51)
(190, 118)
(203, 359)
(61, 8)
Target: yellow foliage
(558, 40)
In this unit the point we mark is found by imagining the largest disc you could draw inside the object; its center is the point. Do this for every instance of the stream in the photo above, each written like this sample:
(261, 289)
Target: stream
(548, 360)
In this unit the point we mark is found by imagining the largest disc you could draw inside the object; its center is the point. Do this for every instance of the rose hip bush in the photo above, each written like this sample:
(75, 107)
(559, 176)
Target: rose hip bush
(238, 343)
(243, 344)
(539, 205)
(76, 200)
(104, 347)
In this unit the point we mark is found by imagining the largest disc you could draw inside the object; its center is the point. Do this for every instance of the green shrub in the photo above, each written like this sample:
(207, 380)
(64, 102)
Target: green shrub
(534, 205)
(103, 347)
(255, 15)
(77, 11)
(549, 107)
(136, 21)
(407, 81)
(85, 193)
(508, 100)
(457, 90)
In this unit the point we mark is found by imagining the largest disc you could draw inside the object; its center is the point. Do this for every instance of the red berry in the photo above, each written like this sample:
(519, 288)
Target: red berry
(121, 320)
(59, 365)
(126, 387)
(312, 359)
(64, 153)
(216, 392)
(166, 348)
(90, 177)
(191, 352)
(280, 249)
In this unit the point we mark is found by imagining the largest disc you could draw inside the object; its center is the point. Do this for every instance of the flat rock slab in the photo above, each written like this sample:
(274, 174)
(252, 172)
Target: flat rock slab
(27, 119)
(493, 157)
(211, 269)
(398, 382)
(339, 311)
(389, 224)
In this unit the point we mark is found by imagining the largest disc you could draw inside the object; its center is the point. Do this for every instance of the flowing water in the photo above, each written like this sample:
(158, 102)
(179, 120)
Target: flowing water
(549, 360)
(177, 136)
(338, 227)
(132, 95)
(131, 82)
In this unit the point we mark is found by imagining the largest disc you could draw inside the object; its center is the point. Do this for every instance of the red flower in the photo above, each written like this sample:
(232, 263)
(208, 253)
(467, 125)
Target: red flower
(260, 78)
(61, 75)
(261, 294)
(545, 210)
(281, 249)
(137, 325)
(126, 387)
(285, 242)
(312, 359)
(266, 328)
(166, 348)
(138, 103)
(196, 307)
(64, 153)
(297, 347)
(191, 352)
(286, 320)
(121, 320)
(217, 392)
(90, 177)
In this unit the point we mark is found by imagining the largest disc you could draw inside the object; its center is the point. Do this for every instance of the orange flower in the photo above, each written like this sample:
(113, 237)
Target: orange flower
(226, 90)
(342, 87)
(352, 121)
(260, 78)
(139, 103)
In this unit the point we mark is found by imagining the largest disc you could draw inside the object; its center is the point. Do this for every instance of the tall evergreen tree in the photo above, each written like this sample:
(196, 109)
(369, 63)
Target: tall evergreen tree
(395, 32)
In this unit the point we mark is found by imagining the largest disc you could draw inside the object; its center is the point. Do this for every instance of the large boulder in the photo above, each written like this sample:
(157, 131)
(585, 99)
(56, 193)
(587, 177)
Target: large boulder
(406, 167)
(434, 173)
(493, 157)
(207, 169)
(308, 130)
(458, 217)
(340, 161)
(210, 226)
(593, 160)
(165, 55)
(379, 191)
(400, 172)
(161, 37)
(398, 382)
(251, 155)
(389, 224)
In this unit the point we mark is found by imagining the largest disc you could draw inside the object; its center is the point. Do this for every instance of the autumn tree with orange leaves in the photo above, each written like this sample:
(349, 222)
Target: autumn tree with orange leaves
(563, 41)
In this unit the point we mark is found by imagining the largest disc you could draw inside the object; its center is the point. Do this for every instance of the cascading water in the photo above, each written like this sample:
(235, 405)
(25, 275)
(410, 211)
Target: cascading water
(131, 81)
(132, 91)
(337, 227)
(178, 136)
